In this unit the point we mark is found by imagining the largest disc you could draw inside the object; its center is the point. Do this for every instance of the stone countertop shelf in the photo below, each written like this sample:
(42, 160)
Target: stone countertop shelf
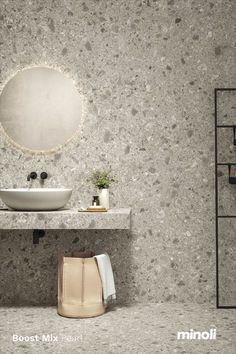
(113, 219)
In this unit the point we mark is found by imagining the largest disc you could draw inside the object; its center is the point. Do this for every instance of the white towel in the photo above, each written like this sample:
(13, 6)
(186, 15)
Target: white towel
(106, 274)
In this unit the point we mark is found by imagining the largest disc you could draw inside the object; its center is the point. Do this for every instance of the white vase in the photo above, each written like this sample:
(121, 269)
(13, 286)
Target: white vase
(104, 197)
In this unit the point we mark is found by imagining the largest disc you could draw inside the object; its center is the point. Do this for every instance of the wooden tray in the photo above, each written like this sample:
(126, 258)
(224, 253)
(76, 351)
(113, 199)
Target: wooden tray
(90, 210)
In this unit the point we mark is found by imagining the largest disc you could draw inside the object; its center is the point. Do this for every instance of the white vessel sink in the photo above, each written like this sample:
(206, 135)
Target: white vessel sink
(35, 198)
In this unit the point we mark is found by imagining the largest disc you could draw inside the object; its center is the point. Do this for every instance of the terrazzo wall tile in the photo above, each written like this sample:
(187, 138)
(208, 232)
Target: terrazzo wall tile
(227, 193)
(147, 70)
(227, 262)
(30, 276)
(226, 107)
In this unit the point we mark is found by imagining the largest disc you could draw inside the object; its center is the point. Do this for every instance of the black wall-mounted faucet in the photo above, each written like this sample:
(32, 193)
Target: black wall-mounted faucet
(32, 175)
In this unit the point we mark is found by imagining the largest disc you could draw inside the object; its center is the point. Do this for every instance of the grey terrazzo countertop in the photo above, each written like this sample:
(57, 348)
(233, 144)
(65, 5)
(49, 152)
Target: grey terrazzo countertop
(66, 219)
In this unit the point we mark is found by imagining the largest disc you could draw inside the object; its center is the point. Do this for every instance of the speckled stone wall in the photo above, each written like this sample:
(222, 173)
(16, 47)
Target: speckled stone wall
(148, 70)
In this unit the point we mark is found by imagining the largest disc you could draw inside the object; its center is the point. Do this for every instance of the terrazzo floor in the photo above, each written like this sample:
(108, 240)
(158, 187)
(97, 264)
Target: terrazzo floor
(139, 329)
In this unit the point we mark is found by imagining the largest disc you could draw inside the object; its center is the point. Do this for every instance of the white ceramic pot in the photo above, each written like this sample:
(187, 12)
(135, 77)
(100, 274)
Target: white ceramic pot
(104, 197)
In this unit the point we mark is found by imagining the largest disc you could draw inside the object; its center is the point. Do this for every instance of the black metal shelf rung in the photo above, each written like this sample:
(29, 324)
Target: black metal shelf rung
(225, 163)
(225, 89)
(225, 126)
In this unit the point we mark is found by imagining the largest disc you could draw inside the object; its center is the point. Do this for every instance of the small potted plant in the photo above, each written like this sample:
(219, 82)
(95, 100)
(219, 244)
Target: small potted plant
(102, 180)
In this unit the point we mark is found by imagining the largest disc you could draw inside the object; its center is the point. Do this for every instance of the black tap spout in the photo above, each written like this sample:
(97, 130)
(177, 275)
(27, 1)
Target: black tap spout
(32, 175)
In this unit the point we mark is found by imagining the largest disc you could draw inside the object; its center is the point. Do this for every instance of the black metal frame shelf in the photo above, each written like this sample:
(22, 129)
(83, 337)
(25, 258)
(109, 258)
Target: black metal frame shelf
(217, 216)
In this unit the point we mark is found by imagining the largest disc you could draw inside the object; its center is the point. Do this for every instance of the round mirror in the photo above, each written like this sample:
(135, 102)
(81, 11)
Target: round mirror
(40, 109)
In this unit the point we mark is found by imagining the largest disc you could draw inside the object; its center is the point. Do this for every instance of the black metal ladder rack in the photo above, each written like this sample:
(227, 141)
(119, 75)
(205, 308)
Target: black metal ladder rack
(216, 191)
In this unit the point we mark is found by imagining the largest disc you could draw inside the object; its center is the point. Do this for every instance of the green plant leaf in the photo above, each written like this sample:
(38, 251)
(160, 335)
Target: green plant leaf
(101, 179)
